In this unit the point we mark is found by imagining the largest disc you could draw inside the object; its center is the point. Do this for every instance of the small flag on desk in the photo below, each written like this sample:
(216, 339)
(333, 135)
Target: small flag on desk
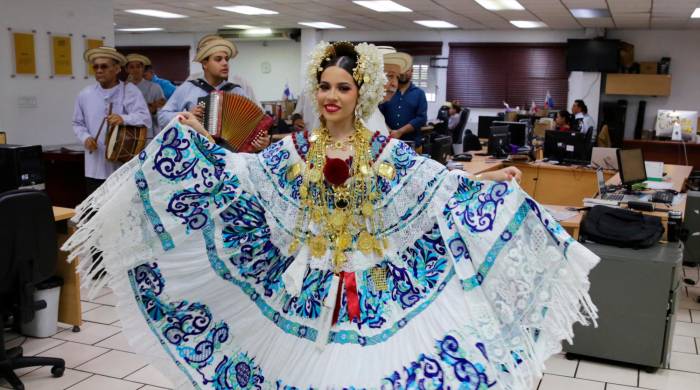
(548, 102)
(287, 94)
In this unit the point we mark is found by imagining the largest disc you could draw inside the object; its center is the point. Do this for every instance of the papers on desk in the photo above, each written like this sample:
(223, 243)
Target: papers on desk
(561, 215)
(655, 169)
(659, 185)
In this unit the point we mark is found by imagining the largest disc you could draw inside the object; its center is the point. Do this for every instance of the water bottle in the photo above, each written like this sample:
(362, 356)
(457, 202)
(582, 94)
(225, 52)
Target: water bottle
(673, 225)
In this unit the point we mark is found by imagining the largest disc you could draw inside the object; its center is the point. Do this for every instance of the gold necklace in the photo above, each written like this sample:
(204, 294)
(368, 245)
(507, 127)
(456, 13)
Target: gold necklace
(344, 214)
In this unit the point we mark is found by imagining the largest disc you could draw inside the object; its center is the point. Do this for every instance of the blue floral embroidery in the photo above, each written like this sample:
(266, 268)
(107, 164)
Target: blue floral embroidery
(166, 240)
(403, 158)
(450, 363)
(188, 328)
(473, 207)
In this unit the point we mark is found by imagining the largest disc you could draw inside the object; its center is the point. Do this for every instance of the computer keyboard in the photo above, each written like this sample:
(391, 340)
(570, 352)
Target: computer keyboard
(662, 197)
(614, 197)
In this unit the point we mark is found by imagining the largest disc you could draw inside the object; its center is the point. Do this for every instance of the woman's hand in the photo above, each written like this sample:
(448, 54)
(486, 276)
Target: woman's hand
(262, 142)
(189, 119)
(505, 174)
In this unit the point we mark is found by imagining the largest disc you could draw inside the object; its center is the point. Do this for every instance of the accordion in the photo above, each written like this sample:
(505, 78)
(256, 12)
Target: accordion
(234, 120)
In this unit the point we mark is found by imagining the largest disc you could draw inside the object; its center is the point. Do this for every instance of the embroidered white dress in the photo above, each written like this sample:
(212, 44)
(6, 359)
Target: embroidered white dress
(481, 283)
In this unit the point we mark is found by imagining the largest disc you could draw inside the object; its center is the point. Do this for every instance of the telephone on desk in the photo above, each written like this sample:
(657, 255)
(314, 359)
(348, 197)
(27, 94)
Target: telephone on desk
(462, 157)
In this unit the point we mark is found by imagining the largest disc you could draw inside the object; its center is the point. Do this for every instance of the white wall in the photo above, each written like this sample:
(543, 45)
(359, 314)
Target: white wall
(49, 122)
(283, 57)
(285, 63)
(684, 50)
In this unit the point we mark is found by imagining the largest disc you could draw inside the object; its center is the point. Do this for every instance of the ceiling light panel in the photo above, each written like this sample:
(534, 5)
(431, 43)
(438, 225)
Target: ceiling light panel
(383, 6)
(248, 10)
(155, 13)
(500, 5)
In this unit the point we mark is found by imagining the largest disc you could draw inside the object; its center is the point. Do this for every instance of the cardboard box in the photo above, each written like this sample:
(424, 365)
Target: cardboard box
(647, 67)
(626, 54)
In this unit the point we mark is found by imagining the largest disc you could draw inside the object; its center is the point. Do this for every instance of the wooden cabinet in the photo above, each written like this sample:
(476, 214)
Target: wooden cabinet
(638, 84)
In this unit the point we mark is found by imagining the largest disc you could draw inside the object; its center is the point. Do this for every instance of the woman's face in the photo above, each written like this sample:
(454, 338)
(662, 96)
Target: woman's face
(452, 111)
(559, 120)
(336, 94)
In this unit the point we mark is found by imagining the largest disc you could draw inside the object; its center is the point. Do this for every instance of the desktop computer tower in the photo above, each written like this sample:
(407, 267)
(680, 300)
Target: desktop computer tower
(21, 167)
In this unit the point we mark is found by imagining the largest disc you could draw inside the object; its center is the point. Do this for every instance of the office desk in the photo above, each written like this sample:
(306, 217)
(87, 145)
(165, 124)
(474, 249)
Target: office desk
(670, 152)
(546, 183)
(69, 308)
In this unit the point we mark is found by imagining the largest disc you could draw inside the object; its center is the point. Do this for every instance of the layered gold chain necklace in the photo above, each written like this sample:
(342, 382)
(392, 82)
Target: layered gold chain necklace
(337, 201)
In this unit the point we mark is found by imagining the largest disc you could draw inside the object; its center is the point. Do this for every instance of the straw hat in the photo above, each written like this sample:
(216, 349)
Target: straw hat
(213, 45)
(104, 52)
(138, 58)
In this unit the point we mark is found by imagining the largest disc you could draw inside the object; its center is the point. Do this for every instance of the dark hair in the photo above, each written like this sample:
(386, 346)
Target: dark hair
(566, 116)
(456, 106)
(341, 54)
(296, 116)
(147, 68)
(581, 105)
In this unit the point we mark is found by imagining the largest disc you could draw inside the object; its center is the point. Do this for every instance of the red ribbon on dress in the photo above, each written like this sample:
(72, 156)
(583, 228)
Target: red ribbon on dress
(347, 280)
(352, 297)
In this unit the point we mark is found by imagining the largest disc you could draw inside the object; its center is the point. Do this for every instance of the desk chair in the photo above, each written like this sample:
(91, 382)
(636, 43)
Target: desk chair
(459, 130)
(27, 257)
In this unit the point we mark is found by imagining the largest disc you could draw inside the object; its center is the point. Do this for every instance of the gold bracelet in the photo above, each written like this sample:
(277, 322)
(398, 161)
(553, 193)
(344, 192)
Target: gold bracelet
(478, 177)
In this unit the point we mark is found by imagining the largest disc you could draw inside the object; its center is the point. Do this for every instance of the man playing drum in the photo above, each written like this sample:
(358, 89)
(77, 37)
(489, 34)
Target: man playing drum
(93, 105)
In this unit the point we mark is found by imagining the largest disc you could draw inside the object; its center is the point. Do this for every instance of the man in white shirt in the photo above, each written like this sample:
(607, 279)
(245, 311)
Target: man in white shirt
(92, 108)
(585, 121)
(152, 92)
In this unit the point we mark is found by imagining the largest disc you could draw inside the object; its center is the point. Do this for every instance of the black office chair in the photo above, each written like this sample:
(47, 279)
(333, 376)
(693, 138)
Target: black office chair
(27, 257)
(459, 130)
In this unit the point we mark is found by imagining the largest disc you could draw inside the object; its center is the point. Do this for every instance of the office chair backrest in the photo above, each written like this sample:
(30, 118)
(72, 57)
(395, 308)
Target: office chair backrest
(692, 223)
(27, 238)
(458, 131)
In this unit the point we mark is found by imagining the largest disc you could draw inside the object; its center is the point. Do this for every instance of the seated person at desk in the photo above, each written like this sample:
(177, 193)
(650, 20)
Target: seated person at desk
(455, 115)
(563, 121)
(298, 122)
(582, 120)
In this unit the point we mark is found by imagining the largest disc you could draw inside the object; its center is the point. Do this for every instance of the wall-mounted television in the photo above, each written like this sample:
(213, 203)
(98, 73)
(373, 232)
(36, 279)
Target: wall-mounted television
(593, 55)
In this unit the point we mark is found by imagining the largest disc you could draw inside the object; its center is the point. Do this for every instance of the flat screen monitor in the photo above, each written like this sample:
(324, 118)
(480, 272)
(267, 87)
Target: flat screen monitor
(566, 147)
(499, 142)
(632, 169)
(440, 148)
(484, 129)
(593, 55)
(517, 131)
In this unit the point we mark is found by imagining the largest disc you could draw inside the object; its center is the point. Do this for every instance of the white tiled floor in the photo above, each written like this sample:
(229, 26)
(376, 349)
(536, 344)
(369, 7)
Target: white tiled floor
(99, 357)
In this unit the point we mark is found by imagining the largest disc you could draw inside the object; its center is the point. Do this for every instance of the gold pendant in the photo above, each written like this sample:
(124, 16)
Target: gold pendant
(365, 170)
(338, 219)
(343, 241)
(293, 171)
(339, 260)
(313, 137)
(294, 246)
(303, 191)
(316, 215)
(365, 243)
(386, 170)
(315, 175)
(318, 246)
(367, 209)
(378, 275)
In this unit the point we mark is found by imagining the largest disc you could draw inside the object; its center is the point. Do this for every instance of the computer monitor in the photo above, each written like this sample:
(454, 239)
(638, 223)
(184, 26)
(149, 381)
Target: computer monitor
(440, 148)
(566, 147)
(631, 163)
(499, 142)
(517, 130)
(485, 122)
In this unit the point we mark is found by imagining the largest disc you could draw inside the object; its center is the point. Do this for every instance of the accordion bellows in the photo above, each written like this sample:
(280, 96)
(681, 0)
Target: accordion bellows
(235, 119)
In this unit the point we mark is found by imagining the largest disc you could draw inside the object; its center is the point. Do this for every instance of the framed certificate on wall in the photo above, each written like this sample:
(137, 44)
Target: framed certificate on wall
(23, 52)
(61, 55)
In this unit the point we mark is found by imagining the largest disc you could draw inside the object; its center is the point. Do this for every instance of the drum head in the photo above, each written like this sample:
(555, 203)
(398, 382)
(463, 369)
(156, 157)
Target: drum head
(112, 143)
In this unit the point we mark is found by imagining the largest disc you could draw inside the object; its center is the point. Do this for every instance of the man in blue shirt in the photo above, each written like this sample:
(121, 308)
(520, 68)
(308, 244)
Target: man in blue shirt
(407, 111)
(166, 85)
